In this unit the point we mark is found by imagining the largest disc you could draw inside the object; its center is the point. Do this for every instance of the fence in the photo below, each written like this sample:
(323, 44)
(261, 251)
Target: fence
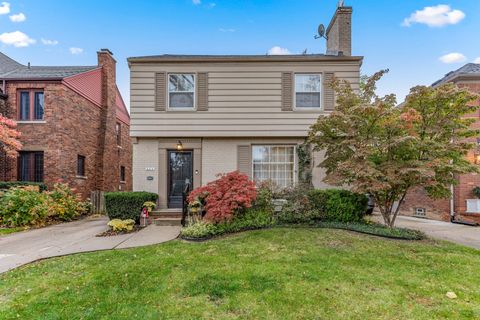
(97, 199)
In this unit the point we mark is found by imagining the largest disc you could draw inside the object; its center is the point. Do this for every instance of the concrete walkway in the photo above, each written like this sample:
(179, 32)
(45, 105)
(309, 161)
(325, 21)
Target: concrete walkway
(457, 233)
(79, 236)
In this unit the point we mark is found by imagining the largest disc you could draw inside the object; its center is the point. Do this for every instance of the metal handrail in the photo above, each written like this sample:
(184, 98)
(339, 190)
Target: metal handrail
(185, 193)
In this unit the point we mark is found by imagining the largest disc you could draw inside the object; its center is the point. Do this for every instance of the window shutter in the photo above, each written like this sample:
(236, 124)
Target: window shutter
(244, 160)
(328, 92)
(287, 91)
(202, 91)
(160, 91)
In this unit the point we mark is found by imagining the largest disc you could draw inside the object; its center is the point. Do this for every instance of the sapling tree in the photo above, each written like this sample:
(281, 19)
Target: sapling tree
(374, 146)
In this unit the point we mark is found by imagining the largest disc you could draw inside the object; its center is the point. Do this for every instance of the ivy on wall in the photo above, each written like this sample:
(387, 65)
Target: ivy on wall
(304, 154)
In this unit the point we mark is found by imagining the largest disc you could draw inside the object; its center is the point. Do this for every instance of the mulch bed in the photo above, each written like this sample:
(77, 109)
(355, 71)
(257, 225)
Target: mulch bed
(111, 233)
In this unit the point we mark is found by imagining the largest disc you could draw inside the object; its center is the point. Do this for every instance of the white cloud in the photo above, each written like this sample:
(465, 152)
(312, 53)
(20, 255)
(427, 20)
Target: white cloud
(196, 2)
(4, 8)
(18, 17)
(453, 57)
(227, 30)
(48, 42)
(278, 51)
(477, 60)
(17, 39)
(437, 16)
(211, 5)
(74, 50)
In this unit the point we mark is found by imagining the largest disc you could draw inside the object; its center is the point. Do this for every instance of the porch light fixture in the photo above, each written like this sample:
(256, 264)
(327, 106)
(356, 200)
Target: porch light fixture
(179, 145)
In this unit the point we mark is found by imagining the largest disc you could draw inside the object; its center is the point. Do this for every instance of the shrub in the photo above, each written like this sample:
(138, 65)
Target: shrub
(230, 194)
(65, 204)
(7, 185)
(121, 225)
(298, 208)
(23, 206)
(28, 206)
(338, 205)
(127, 205)
(250, 219)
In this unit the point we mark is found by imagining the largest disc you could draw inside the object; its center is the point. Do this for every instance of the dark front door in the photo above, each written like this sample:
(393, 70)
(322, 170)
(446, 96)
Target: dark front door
(180, 172)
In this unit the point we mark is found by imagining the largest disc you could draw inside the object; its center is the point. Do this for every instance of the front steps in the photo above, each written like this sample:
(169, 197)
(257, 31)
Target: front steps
(166, 217)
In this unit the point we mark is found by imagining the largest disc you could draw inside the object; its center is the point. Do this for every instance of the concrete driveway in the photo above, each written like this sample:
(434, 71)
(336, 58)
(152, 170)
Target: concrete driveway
(461, 234)
(79, 236)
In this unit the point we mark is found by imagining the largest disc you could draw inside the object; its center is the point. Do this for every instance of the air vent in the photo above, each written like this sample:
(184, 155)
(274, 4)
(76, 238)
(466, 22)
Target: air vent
(420, 212)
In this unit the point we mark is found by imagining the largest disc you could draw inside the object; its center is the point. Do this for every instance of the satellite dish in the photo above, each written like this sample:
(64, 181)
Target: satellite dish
(321, 32)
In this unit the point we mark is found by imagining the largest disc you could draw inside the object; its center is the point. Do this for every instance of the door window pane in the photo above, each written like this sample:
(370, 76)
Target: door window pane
(275, 163)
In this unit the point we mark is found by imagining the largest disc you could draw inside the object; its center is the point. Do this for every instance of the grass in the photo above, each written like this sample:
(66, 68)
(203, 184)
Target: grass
(280, 273)
(4, 231)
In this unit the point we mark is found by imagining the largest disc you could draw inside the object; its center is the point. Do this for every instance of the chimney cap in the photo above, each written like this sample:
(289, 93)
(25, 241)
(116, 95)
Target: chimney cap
(106, 50)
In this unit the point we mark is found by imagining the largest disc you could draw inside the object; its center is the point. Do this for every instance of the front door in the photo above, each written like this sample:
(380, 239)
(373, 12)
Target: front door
(180, 172)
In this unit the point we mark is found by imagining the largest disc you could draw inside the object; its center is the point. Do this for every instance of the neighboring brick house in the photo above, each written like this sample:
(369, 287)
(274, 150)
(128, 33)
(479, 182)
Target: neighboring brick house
(195, 116)
(74, 124)
(463, 203)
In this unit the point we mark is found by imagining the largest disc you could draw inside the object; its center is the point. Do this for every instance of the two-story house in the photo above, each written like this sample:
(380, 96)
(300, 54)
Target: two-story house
(463, 204)
(195, 116)
(74, 124)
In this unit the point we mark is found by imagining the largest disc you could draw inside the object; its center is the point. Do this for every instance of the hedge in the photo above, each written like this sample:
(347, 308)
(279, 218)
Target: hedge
(5, 185)
(127, 205)
(339, 205)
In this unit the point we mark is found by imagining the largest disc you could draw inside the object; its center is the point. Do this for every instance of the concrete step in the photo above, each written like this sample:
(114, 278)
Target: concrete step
(167, 221)
(166, 213)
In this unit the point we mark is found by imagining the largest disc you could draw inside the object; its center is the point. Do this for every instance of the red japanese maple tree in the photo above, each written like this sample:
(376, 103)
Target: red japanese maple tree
(225, 196)
(9, 135)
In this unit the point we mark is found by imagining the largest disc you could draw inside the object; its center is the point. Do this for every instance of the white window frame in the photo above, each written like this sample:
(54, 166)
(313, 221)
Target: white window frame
(295, 171)
(320, 108)
(194, 91)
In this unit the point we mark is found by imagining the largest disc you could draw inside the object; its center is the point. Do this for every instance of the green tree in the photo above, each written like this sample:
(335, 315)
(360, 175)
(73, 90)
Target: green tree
(372, 146)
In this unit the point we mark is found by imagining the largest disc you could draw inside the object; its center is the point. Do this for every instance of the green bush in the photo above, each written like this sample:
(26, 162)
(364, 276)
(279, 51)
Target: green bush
(28, 206)
(22, 207)
(250, 219)
(338, 205)
(127, 205)
(298, 208)
(7, 185)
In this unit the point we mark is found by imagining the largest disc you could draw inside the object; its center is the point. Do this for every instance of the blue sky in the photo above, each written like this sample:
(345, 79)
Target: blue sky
(58, 32)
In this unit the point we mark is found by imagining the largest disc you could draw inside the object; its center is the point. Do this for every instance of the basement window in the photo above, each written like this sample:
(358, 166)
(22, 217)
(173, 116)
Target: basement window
(420, 212)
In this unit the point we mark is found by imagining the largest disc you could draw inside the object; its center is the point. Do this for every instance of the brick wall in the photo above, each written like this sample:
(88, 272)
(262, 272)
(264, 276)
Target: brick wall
(73, 126)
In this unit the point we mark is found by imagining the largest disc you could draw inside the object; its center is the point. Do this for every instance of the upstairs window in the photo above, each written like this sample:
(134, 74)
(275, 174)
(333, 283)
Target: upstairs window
(30, 166)
(181, 91)
(81, 166)
(30, 105)
(118, 133)
(308, 91)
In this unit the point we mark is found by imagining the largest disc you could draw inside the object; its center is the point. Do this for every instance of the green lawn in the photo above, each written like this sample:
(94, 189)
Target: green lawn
(4, 231)
(279, 273)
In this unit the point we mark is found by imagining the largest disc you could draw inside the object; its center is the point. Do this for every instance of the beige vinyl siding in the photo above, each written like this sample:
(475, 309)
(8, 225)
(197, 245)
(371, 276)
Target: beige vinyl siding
(244, 99)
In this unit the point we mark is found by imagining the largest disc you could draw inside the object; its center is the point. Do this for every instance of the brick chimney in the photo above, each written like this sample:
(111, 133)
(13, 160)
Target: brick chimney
(108, 153)
(339, 32)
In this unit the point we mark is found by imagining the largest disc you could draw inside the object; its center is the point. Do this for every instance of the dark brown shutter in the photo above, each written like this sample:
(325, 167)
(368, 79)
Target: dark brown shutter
(328, 92)
(202, 91)
(244, 160)
(160, 91)
(287, 91)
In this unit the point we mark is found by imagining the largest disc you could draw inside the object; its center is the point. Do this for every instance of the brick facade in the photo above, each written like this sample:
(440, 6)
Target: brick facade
(440, 209)
(74, 125)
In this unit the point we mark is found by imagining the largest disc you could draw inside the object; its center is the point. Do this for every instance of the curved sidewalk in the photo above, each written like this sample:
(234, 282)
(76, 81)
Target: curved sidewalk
(73, 237)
